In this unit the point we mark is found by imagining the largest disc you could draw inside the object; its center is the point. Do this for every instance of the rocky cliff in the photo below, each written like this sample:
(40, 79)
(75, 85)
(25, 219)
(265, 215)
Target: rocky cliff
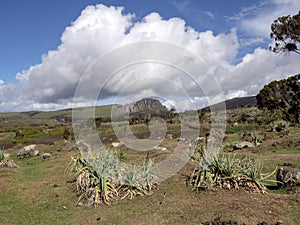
(145, 105)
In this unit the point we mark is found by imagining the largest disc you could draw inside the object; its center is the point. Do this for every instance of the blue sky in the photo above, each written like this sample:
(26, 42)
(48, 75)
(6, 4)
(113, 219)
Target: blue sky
(32, 28)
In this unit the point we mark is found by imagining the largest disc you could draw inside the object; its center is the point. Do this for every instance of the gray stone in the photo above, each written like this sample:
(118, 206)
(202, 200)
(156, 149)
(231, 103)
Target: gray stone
(161, 149)
(144, 105)
(46, 155)
(8, 164)
(288, 177)
(116, 144)
(243, 144)
(27, 151)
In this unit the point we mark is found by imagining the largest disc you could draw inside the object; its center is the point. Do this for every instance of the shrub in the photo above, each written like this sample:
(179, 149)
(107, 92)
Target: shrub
(219, 171)
(104, 179)
(256, 139)
(279, 125)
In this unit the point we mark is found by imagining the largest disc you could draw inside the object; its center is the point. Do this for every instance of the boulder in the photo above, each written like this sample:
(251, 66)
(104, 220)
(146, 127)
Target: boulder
(46, 155)
(30, 150)
(288, 177)
(243, 144)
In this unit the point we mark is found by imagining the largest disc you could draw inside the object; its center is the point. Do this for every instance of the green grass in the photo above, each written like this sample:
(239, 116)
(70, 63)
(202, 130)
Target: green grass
(240, 129)
(37, 191)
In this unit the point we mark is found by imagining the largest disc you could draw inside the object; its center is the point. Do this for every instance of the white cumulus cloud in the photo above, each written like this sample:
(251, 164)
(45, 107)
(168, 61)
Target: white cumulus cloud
(100, 31)
(257, 19)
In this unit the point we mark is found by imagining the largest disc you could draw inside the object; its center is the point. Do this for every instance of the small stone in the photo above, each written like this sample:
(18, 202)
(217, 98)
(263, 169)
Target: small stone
(288, 177)
(65, 207)
(10, 164)
(46, 155)
(243, 144)
(116, 144)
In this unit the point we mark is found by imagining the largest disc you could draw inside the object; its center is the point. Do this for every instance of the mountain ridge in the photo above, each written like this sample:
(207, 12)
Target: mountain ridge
(104, 111)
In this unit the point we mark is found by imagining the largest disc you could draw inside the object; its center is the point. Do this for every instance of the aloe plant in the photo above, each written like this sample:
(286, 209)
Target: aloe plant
(256, 139)
(131, 186)
(221, 171)
(104, 179)
(279, 125)
(1, 155)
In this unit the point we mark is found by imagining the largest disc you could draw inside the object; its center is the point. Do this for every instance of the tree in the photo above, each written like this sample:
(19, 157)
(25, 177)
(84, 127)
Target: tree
(286, 33)
(283, 95)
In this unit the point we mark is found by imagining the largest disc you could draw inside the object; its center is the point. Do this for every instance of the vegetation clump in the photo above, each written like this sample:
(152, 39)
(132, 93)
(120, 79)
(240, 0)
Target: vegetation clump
(218, 171)
(279, 125)
(104, 179)
(282, 95)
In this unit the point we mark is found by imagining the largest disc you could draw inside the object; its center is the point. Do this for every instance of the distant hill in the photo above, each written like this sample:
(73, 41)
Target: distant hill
(140, 108)
(236, 103)
(64, 115)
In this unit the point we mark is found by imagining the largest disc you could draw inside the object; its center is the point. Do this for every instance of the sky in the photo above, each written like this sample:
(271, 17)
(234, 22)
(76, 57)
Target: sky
(51, 49)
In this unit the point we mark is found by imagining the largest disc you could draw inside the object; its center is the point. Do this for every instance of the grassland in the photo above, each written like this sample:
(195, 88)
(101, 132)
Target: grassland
(41, 192)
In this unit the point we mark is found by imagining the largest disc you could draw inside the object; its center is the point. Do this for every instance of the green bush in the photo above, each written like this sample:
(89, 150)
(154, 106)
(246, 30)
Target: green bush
(256, 139)
(279, 125)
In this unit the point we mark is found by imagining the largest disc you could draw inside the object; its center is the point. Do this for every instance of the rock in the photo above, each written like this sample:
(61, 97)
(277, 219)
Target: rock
(22, 154)
(162, 149)
(243, 144)
(146, 104)
(46, 155)
(288, 177)
(159, 150)
(116, 144)
(30, 150)
(199, 139)
(36, 152)
(181, 139)
(8, 164)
